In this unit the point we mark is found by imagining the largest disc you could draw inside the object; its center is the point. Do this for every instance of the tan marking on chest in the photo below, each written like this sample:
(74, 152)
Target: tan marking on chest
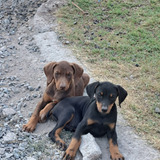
(90, 122)
(111, 125)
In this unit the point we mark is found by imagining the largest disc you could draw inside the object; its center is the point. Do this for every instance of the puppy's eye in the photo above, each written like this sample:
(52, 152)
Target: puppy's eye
(57, 73)
(111, 96)
(100, 94)
(68, 75)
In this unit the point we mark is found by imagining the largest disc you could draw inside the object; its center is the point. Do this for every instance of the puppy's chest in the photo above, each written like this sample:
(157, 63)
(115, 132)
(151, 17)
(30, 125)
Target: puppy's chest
(99, 128)
(54, 94)
(101, 122)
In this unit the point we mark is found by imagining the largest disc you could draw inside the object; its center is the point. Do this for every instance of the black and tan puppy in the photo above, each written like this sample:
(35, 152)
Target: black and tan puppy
(96, 114)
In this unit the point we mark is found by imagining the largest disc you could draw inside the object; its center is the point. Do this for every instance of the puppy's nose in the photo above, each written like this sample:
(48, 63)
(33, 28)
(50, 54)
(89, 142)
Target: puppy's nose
(62, 87)
(104, 110)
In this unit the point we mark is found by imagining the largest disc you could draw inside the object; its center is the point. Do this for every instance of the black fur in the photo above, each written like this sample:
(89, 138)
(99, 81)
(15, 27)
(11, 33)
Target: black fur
(87, 116)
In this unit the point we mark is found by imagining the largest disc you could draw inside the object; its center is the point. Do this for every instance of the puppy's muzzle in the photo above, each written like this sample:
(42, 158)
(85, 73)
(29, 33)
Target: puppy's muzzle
(62, 86)
(104, 108)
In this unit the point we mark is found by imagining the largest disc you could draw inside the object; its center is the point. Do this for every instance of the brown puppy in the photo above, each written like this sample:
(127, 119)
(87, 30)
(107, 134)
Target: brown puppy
(64, 79)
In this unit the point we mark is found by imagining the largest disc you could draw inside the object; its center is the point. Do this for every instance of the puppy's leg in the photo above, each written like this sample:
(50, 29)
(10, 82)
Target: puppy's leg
(113, 147)
(55, 133)
(31, 125)
(75, 142)
(72, 149)
(45, 110)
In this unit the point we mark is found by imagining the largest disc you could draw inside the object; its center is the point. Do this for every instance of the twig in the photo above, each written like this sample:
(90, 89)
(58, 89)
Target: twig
(79, 8)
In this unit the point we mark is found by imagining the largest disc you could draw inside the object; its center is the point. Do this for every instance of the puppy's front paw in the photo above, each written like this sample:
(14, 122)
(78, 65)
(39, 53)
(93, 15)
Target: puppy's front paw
(69, 155)
(61, 145)
(117, 156)
(31, 125)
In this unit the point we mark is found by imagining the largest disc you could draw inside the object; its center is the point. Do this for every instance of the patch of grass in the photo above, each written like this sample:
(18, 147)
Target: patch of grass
(38, 146)
(120, 41)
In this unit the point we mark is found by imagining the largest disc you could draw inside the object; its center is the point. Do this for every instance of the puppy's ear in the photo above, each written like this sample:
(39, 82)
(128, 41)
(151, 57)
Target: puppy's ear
(78, 71)
(122, 94)
(91, 88)
(48, 70)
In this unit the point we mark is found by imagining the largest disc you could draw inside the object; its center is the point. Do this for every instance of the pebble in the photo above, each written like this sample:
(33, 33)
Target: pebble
(2, 151)
(30, 88)
(8, 155)
(9, 137)
(157, 110)
(30, 158)
(66, 42)
(8, 111)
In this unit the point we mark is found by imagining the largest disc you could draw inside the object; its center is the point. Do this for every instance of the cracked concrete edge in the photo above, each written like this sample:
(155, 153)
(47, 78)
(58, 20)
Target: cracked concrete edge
(132, 147)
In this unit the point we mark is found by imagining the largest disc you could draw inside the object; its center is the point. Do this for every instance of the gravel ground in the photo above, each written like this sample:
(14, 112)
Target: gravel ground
(20, 86)
(27, 43)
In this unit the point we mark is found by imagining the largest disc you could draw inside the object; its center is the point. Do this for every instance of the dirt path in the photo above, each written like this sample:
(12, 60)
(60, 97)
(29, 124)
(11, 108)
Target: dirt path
(24, 50)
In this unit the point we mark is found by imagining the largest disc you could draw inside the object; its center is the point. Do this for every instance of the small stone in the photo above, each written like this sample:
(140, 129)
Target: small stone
(19, 105)
(2, 151)
(137, 65)
(35, 95)
(24, 105)
(131, 77)
(157, 110)
(37, 89)
(15, 90)
(30, 158)
(16, 155)
(66, 42)
(28, 98)
(30, 88)
(22, 146)
(20, 43)
(1, 134)
(4, 48)
(5, 90)
(39, 153)
(8, 111)
(8, 155)
(9, 137)
(12, 78)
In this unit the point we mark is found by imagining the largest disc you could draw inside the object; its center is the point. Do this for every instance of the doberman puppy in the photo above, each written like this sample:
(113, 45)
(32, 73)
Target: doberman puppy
(64, 79)
(95, 114)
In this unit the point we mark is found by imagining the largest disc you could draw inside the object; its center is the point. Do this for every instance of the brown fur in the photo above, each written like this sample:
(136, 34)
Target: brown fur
(90, 121)
(115, 154)
(111, 125)
(72, 149)
(64, 79)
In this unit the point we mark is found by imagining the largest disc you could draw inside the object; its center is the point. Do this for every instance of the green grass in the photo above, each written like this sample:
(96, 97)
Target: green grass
(115, 37)
(122, 31)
